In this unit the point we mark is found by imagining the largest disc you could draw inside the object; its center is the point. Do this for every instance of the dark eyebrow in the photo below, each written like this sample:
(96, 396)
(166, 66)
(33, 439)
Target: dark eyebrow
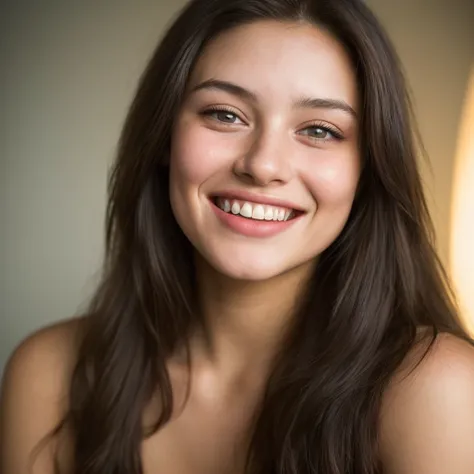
(304, 102)
(308, 102)
(226, 87)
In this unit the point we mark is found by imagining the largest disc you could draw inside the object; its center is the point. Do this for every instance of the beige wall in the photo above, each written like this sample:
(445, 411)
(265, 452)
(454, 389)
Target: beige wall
(67, 75)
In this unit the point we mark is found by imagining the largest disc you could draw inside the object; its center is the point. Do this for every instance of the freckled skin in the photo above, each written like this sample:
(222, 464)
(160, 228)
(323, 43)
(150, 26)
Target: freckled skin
(266, 149)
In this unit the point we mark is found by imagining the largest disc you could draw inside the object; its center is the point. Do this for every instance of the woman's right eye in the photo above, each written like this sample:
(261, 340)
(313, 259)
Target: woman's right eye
(222, 115)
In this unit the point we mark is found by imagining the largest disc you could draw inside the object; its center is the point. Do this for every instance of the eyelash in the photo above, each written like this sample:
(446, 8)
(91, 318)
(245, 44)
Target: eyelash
(321, 125)
(337, 135)
(211, 110)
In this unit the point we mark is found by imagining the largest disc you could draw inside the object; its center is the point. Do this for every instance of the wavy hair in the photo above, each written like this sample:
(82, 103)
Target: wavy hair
(372, 288)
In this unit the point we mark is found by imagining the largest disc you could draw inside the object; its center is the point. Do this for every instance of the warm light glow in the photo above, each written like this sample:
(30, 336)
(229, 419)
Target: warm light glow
(462, 229)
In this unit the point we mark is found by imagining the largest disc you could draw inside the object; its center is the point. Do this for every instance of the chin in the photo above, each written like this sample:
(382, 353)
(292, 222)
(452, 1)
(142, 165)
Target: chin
(253, 274)
(249, 268)
(238, 268)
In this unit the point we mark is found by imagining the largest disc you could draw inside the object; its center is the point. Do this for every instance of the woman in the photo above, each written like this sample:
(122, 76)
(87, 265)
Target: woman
(271, 299)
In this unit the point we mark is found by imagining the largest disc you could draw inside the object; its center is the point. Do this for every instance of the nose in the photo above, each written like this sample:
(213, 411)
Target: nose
(266, 162)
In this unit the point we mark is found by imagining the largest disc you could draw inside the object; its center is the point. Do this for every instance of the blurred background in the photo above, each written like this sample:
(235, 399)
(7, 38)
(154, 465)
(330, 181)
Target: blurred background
(68, 70)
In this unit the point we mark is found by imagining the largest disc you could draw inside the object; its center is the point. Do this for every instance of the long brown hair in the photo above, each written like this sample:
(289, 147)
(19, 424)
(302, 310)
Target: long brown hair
(372, 288)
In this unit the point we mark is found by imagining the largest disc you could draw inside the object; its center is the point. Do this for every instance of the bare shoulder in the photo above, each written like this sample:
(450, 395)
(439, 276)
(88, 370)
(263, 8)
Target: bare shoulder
(50, 341)
(34, 394)
(427, 415)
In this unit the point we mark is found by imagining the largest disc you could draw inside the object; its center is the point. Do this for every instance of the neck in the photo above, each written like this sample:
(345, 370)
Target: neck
(245, 322)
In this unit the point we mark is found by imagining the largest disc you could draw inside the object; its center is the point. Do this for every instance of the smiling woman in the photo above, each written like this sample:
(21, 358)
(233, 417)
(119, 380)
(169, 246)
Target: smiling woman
(271, 301)
(264, 144)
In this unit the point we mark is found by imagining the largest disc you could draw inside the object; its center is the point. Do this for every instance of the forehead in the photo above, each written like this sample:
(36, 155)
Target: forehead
(280, 61)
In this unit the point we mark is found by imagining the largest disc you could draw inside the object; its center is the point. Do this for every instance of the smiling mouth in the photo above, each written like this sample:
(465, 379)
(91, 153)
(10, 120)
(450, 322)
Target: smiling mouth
(255, 211)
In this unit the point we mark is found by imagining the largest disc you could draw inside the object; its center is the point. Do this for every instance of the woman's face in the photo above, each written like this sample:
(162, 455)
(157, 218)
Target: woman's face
(265, 159)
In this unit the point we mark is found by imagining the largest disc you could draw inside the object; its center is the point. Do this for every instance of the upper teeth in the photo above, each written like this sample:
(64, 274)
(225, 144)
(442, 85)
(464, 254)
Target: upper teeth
(254, 211)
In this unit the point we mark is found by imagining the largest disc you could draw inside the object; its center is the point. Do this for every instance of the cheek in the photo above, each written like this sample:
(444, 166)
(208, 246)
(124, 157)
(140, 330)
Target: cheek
(198, 153)
(333, 182)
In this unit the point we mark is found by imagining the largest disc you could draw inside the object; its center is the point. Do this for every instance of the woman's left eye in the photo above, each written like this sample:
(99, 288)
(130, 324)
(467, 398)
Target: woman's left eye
(321, 133)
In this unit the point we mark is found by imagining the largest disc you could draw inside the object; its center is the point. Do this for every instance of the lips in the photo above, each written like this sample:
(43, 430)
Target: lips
(254, 215)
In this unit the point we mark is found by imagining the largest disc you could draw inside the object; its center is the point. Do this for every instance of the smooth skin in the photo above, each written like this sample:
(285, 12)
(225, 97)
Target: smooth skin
(271, 142)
